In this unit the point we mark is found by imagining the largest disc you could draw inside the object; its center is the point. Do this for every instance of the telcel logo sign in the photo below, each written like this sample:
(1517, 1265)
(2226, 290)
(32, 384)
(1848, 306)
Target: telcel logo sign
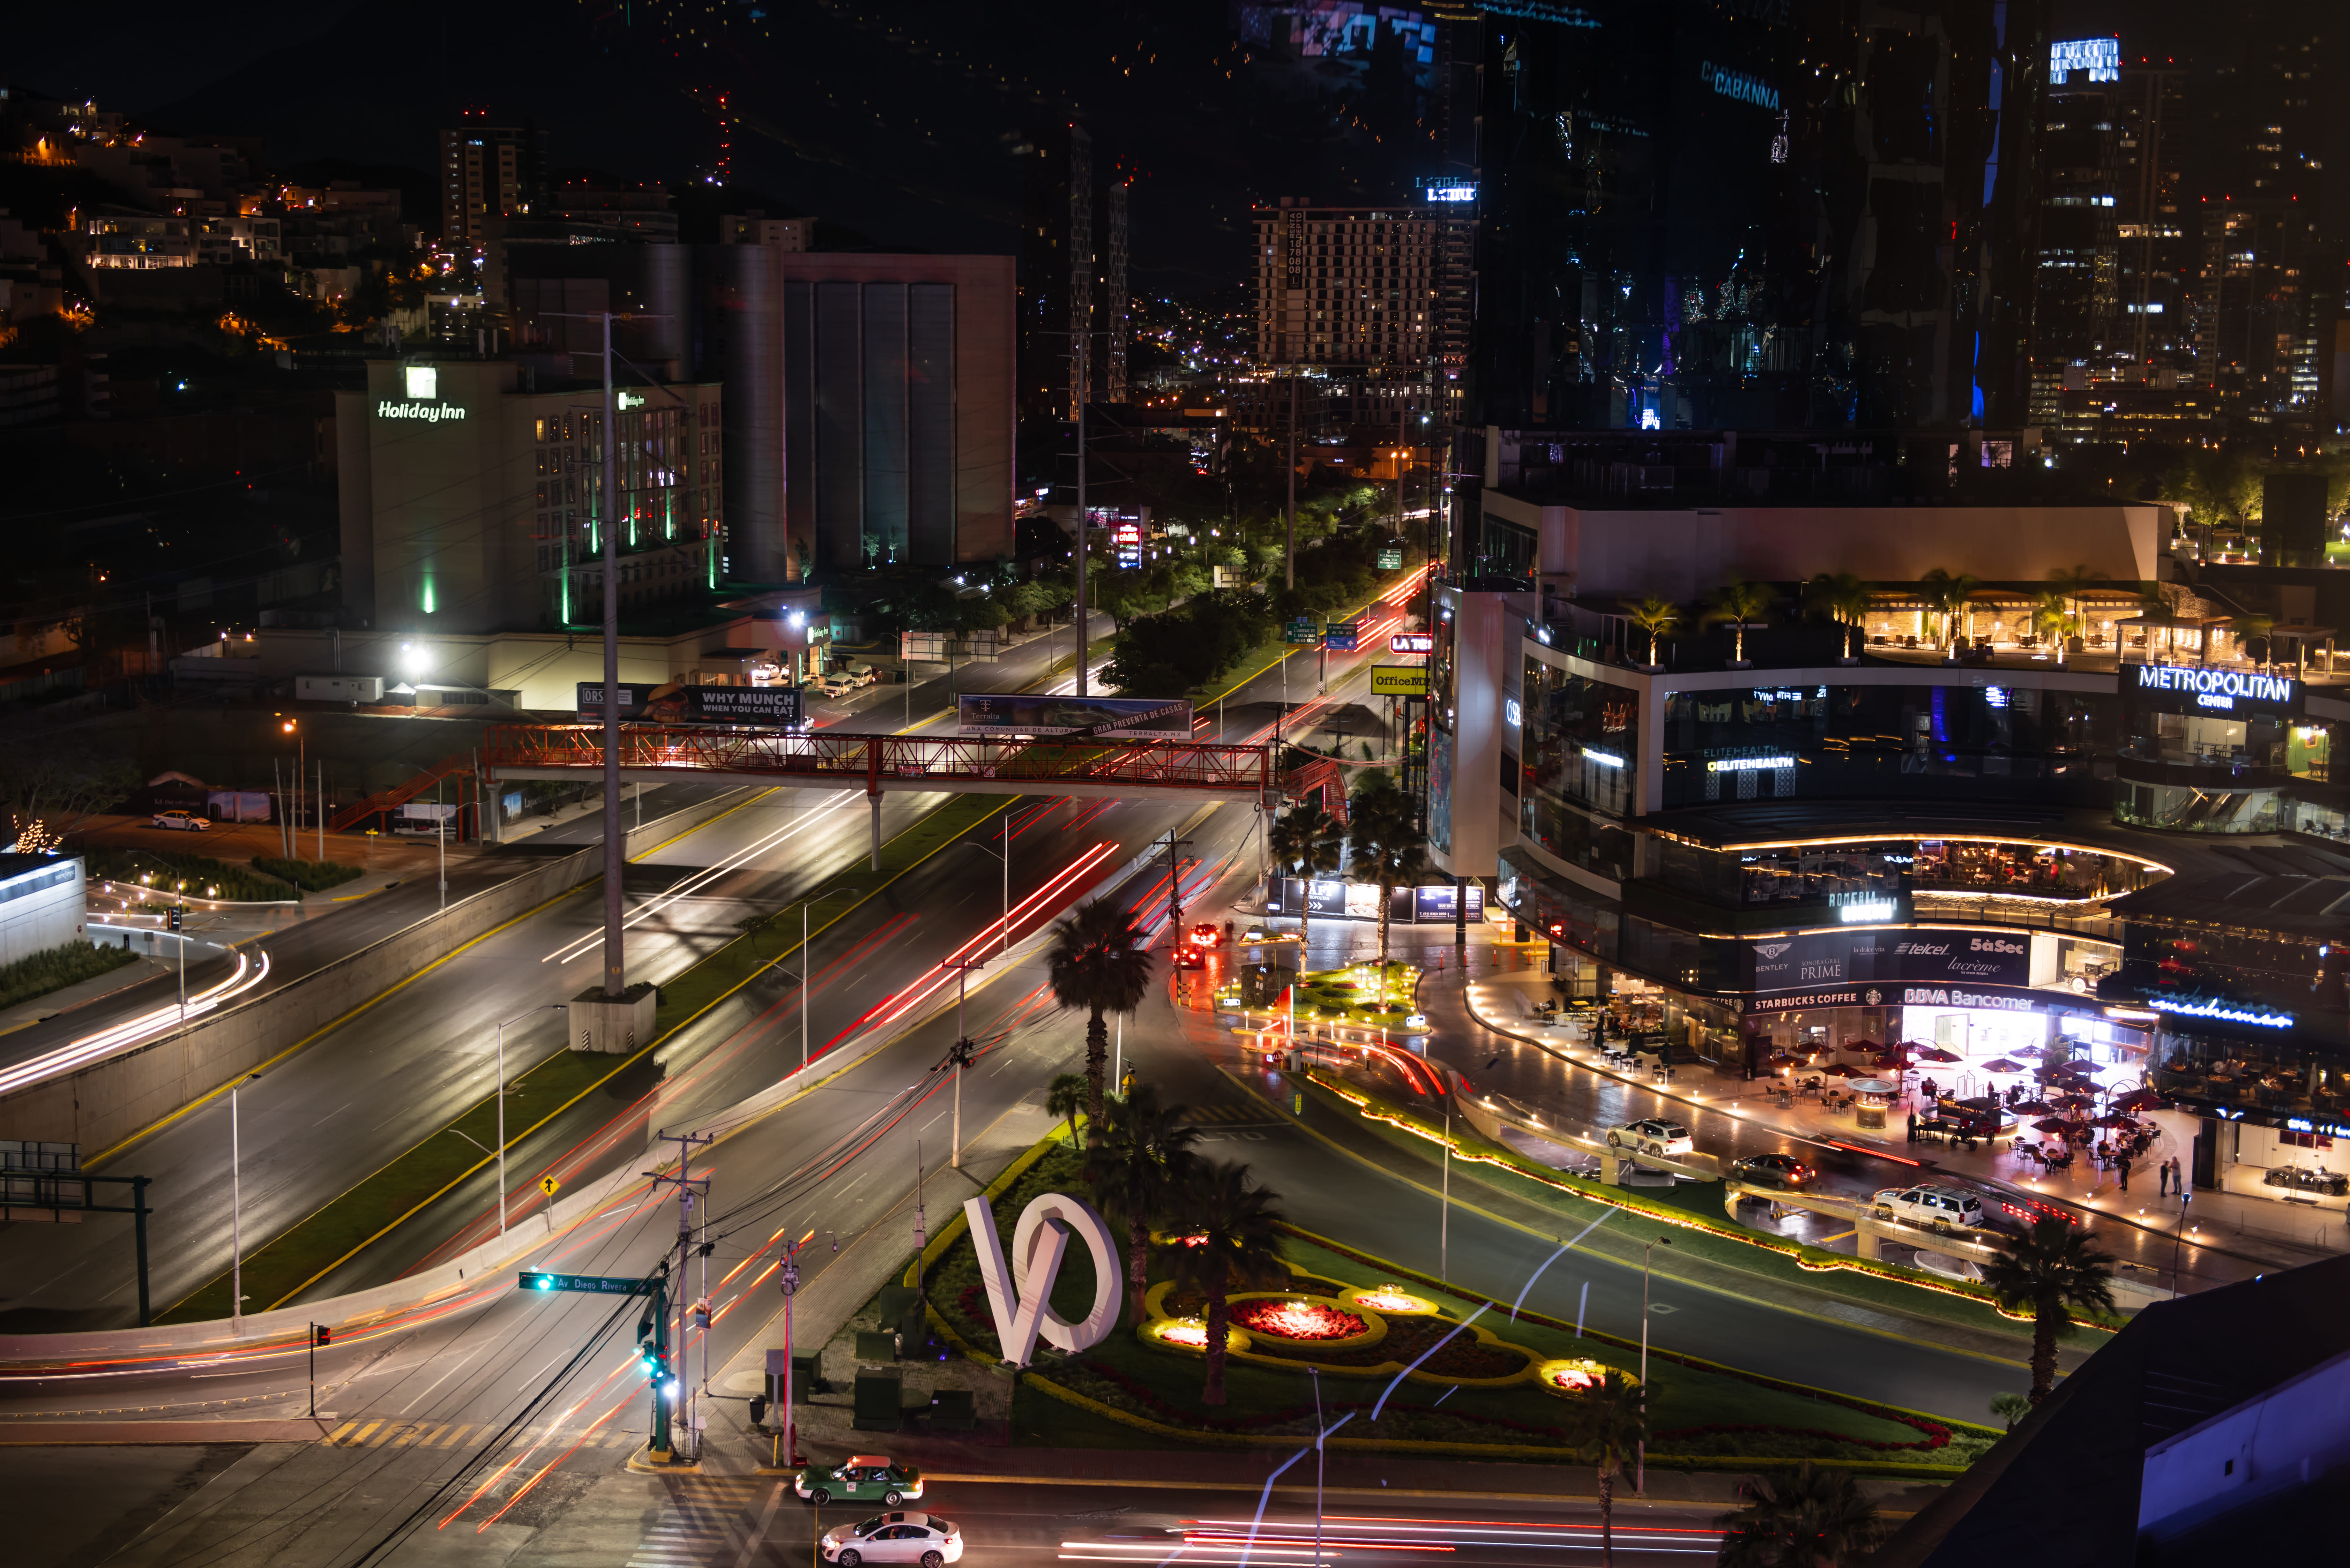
(422, 384)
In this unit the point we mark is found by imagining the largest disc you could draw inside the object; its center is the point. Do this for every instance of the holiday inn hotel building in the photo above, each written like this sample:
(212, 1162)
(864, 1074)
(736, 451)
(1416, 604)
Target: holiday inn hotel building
(2144, 856)
(471, 500)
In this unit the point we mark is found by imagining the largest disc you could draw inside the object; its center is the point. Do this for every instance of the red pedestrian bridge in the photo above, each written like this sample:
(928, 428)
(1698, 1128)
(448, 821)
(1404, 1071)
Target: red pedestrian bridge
(830, 759)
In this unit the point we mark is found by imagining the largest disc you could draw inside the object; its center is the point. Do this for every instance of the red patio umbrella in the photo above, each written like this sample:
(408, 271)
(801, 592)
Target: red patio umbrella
(2052, 1126)
(2004, 1066)
(2032, 1107)
(2138, 1100)
(2112, 1119)
(1936, 1053)
(1781, 1059)
(1839, 1070)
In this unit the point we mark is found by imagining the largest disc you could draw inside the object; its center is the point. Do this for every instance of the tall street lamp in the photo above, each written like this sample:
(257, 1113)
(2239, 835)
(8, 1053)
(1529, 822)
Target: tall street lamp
(803, 975)
(542, 1007)
(235, 1214)
(1004, 855)
(1640, 1465)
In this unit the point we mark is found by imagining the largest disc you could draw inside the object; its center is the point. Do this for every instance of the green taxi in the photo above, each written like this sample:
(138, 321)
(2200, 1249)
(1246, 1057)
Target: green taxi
(865, 1478)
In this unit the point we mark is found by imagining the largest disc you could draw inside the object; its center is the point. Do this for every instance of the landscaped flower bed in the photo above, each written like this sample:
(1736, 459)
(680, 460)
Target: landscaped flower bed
(1294, 1319)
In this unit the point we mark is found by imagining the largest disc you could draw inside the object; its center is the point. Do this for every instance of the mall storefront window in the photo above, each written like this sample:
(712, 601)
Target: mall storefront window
(1580, 745)
(1780, 742)
(2207, 749)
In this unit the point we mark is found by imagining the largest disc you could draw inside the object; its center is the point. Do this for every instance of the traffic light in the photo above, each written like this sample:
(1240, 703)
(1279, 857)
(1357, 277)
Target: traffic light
(649, 1359)
(177, 912)
(321, 1335)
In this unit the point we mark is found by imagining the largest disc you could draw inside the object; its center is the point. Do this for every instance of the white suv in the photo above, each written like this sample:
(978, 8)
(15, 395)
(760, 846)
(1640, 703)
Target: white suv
(1656, 1137)
(1935, 1206)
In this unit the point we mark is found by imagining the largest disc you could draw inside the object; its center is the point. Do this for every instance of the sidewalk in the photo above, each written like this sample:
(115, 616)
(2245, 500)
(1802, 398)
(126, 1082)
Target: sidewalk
(2229, 1237)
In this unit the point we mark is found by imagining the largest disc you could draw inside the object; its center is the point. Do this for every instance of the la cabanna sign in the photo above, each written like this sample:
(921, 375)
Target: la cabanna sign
(1021, 1296)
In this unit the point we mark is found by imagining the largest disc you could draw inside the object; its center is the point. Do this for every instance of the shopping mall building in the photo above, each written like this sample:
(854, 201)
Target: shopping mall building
(2132, 849)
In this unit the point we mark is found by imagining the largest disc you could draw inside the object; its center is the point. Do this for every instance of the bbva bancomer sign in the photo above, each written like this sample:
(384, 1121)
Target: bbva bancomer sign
(1022, 1299)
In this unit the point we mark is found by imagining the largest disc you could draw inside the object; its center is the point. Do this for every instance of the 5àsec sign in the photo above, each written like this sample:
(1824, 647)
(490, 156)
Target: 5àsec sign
(2201, 689)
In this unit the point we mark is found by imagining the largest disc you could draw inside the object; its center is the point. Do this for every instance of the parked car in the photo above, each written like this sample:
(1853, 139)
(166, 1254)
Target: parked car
(1773, 1170)
(1930, 1205)
(1657, 1138)
(186, 822)
(837, 683)
(864, 1476)
(922, 1538)
(863, 674)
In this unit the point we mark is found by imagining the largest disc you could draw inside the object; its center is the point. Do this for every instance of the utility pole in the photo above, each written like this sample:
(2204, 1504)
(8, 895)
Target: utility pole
(688, 1189)
(1175, 885)
(236, 1209)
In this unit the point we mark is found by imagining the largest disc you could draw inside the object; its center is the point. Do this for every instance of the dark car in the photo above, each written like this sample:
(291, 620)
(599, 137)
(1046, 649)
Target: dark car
(1773, 1170)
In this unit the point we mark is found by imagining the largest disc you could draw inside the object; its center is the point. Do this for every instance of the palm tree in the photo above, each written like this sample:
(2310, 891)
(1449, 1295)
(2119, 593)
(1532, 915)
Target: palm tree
(1065, 1096)
(1815, 1519)
(1605, 1427)
(2051, 615)
(1226, 1241)
(1737, 603)
(2053, 1271)
(2010, 1408)
(1656, 616)
(1093, 963)
(1386, 843)
(2070, 581)
(2249, 629)
(1139, 1161)
(1306, 842)
(1842, 598)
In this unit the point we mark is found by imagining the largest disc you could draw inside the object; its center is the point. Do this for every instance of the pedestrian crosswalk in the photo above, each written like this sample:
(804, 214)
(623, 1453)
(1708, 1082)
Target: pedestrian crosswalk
(388, 1434)
(1203, 1114)
(711, 1522)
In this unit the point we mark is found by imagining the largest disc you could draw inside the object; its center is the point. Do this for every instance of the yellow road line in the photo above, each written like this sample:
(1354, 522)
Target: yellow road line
(489, 1159)
(327, 1028)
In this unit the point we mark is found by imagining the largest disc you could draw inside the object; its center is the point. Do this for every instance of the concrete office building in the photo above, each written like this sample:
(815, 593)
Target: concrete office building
(487, 172)
(470, 504)
(868, 397)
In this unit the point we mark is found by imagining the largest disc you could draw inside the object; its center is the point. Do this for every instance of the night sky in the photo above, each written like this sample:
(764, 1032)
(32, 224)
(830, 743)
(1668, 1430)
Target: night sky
(896, 118)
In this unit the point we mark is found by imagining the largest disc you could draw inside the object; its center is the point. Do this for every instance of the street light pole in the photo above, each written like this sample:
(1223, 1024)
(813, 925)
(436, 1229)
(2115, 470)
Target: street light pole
(544, 1007)
(959, 1057)
(1641, 1464)
(235, 1213)
(804, 974)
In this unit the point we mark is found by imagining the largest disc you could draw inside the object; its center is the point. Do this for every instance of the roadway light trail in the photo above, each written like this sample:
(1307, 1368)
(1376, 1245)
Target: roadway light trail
(581, 948)
(91, 1047)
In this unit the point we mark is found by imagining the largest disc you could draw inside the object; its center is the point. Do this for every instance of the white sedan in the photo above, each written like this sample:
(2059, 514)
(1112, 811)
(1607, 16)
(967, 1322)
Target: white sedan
(922, 1538)
(185, 822)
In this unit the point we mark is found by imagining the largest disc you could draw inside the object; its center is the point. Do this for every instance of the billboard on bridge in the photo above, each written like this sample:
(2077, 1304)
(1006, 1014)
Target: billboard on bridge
(1040, 713)
(767, 706)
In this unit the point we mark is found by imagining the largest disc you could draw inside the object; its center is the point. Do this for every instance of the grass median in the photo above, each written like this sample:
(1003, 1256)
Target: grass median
(1703, 1229)
(281, 1269)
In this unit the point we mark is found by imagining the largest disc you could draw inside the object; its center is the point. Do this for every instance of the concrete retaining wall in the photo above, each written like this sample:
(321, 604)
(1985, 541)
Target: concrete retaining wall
(109, 1101)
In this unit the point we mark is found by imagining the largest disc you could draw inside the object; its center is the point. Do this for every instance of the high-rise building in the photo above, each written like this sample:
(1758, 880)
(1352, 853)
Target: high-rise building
(1782, 213)
(2117, 257)
(868, 396)
(1358, 287)
(2260, 299)
(1113, 299)
(488, 171)
(1056, 274)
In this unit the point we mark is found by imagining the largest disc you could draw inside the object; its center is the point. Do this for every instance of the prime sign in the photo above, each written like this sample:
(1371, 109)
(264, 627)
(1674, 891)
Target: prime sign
(1022, 1299)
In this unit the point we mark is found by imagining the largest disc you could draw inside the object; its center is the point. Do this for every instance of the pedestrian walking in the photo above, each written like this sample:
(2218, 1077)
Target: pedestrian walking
(2163, 1170)
(1913, 1126)
(2123, 1165)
